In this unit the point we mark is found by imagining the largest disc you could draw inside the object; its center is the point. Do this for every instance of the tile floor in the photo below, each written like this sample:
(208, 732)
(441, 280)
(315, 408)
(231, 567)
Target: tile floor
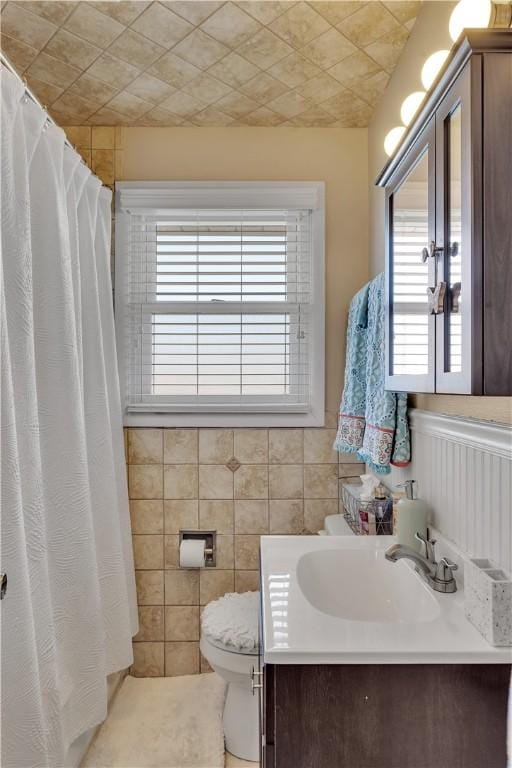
(142, 706)
(235, 762)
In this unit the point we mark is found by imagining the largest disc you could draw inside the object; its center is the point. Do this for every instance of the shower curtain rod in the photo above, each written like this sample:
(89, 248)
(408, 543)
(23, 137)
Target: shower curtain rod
(5, 61)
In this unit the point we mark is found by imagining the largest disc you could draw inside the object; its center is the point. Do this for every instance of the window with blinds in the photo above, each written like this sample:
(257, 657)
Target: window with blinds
(217, 310)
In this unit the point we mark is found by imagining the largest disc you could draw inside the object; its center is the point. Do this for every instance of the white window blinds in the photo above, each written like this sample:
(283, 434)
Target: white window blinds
(217, 310)
(410, 302)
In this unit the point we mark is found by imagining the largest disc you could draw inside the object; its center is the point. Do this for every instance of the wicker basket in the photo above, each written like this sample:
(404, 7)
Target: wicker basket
(350, 494)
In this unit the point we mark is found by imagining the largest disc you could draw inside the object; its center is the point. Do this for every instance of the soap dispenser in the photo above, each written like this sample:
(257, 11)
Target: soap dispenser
(411, 517)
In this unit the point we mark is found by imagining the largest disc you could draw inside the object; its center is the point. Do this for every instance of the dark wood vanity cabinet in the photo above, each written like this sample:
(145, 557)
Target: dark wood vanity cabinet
(449, 230)
(384, 716)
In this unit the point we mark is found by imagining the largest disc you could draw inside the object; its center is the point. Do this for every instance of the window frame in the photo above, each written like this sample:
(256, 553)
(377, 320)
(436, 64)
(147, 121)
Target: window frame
(157, 198)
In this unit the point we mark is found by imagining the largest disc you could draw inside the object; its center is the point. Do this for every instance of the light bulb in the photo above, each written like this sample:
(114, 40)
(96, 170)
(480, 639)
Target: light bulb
(392, 139)
(410, 106)
(432, 67)
(469, 14)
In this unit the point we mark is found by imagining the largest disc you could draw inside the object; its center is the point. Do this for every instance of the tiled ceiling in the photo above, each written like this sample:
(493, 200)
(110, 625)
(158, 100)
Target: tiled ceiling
(210, 63)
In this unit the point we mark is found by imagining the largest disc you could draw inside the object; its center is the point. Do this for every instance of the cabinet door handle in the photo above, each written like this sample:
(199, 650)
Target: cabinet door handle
(431, 251)
(436, 299)
(453, 248)
(255, 686)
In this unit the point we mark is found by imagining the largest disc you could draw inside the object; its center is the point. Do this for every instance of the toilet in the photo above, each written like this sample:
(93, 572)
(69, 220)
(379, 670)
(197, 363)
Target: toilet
(230, 644)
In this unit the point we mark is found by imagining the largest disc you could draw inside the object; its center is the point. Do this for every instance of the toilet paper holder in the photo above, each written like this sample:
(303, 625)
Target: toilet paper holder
(210, 540)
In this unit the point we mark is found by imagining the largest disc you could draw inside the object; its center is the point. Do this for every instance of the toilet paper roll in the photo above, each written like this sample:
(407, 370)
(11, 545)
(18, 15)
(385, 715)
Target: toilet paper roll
(192, 553)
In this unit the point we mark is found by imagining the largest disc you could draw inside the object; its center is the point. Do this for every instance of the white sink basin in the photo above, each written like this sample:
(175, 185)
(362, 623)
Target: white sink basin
(361, 585)
(337, 600)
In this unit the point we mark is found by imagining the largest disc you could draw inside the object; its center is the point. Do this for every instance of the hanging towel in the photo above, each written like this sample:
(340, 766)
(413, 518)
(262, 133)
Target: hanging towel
(386, 436)
(353, 404)
(382, 434)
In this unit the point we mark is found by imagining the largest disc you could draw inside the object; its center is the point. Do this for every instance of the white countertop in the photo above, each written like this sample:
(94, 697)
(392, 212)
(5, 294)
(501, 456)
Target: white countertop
(295, 632)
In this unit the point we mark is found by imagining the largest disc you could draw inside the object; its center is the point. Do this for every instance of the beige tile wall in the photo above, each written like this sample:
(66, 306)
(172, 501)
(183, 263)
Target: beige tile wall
(100, 147)
(283, 481)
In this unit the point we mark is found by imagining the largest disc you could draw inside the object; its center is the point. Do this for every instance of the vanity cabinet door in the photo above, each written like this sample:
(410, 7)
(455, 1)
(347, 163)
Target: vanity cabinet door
(448, 188)
(268, 718)
(411, 269)
(390, 715)
(458, 318)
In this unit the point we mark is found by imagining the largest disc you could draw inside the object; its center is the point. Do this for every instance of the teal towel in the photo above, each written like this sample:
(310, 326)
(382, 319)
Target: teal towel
(353, 403)
(380, 433)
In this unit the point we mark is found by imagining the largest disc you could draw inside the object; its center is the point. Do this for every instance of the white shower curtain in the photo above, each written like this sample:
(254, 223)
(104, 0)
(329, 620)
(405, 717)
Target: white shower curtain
(70, 609)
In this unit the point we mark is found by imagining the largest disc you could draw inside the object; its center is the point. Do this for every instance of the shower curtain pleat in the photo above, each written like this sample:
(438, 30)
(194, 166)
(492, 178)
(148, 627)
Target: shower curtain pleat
(105, 297)
(100, 453)
(69, 613)
(104, 280)
(71, 171)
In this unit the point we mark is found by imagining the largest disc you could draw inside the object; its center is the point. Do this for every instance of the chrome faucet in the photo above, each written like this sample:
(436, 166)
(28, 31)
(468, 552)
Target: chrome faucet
(439, 575)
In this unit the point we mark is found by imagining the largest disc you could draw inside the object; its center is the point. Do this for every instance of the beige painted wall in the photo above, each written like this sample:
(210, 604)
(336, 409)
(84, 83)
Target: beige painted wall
(335, 155)
(430, 33)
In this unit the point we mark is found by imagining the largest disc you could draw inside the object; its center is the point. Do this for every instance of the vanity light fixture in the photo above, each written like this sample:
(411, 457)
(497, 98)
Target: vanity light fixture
(392, 139)
(432, 67)
(467, 14)
(410, 106)
(474, 14)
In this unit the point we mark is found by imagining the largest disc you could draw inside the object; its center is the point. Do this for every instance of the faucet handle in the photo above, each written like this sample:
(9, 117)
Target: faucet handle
(446, 566)
(444, 575)
(429, 546)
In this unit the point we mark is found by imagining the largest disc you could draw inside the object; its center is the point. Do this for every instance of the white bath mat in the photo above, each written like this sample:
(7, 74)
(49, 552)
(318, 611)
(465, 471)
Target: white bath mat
(163, 722)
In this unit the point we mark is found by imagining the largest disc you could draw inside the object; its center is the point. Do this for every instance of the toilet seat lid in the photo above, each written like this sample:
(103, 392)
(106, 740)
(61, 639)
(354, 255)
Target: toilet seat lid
(230, 648)
(232, 621)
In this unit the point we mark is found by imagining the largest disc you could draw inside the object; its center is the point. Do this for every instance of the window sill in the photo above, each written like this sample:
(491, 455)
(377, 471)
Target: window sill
(261, 419)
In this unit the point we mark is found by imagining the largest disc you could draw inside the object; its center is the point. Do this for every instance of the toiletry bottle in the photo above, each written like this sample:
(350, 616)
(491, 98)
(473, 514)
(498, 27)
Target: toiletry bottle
(397, 495)
(384, 510)
(411, 518)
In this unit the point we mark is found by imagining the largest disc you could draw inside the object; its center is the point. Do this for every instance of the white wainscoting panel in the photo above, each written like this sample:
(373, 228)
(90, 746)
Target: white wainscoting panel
(464, 470)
